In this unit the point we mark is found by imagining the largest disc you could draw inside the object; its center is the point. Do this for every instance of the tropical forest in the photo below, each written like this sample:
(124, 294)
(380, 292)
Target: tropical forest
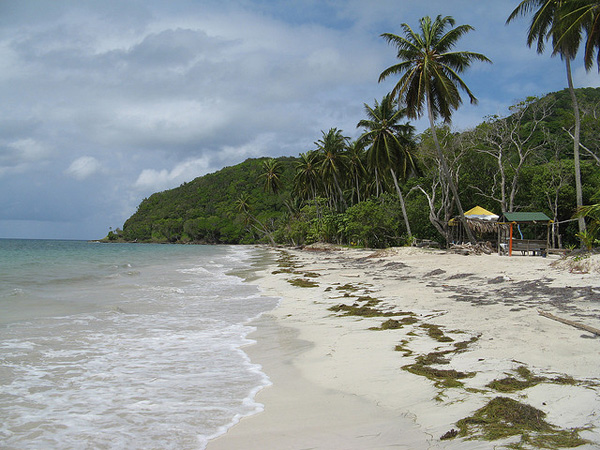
(391, 186)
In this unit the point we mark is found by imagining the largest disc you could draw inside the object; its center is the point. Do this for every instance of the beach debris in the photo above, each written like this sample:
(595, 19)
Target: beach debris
(435, 273)
(322, 247)
(435, 332)
(365, 307)
(577, 262)
(581, 326)
(504, 417)
(526, 379)
(499, 279)
(393, 324)
(442, 378)
(472, 249)
(460, 276)
(451, 434)
(303, 283)
(511, 384)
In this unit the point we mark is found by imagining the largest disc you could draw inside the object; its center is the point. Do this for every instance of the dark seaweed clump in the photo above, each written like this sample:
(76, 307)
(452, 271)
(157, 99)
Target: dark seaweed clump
(504, 417)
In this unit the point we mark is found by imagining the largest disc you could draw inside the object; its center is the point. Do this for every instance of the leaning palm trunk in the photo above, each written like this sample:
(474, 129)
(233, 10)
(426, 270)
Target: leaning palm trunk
(576, 138)
(402, 204)
(446, 172)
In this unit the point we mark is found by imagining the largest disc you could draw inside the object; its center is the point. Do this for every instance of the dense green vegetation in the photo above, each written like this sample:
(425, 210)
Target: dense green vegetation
(389, 187)
(293, 201)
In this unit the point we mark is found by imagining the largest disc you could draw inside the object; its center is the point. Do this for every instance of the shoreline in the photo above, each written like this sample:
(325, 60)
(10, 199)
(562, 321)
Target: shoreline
(339, 383)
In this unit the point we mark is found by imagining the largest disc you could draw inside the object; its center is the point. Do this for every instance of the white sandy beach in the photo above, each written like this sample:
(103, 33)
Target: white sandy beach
(339, 384)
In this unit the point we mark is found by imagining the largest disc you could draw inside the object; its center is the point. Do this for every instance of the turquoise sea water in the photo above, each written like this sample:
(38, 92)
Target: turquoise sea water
(124, 345)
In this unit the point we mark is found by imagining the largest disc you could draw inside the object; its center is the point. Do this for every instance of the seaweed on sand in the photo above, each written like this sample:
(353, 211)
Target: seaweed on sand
(435, 332)
(348, 287)
(366, 306)
(394, 324)
(364, 310)
(442, 378)
(287, 260)
(526, 379)
(303, 282)
(511, 384)
(504, 417)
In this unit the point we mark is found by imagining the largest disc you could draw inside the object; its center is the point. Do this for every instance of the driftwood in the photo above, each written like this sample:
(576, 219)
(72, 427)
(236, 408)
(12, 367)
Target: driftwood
(581, 326)
(470, 249)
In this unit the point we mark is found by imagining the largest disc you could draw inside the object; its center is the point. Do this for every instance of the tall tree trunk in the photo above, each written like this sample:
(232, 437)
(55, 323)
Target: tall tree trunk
(339, 189)
(446, 172)
(402, 204)
(578, 189)
(376, 183)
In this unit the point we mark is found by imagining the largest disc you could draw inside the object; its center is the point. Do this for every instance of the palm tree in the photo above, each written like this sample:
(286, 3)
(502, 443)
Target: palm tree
(592, 212)
(272, 175)
(333, 160)
(356, 168)
(390, 143)
(583, 15)
(250, 221)
(429, 78)
(554, 20)
(589, 12)
(306, 180)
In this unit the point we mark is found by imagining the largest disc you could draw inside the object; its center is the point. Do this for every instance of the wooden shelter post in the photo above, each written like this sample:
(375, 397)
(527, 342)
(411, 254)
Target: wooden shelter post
(510, 240)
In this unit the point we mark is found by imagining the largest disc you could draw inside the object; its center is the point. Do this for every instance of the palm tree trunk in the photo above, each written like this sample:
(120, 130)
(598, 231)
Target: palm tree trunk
(339, 189)
(446, 172)
(576, 138)
(402, 204)
(376, 183)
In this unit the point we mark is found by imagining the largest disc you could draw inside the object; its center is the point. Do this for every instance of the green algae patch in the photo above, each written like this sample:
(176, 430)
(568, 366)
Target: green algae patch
(360, 310)
(435, 332)
(365, 307)
(565, 380)
(526, 379)
(391, 324)
(511, 384)
(504, 417)
(401, 347)
(411, 319)
(462, 345)
(442, 378)
(394, 324)
(302, 282)
(434, 358)
(288, 261)
(348, 287)
(286, 270)
(312, 275)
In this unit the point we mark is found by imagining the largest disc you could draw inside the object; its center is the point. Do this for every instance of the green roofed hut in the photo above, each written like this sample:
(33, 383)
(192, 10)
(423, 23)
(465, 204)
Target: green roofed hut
(527, 232)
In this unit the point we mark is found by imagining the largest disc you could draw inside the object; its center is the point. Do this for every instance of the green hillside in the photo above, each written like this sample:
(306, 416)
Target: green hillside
(204, 210)
(346, 199)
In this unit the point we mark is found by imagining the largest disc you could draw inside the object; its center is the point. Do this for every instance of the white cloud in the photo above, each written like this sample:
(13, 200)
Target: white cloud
(21, 155)
(83, 167)
(29, 150)
(157, 180)
(583, 78)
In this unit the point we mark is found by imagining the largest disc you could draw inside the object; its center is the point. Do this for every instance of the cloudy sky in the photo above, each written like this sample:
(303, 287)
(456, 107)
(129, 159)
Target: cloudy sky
(103, 103)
